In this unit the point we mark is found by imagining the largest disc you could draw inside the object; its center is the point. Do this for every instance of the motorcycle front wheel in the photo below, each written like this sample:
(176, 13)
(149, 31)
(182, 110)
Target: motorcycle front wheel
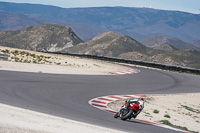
(116, 115)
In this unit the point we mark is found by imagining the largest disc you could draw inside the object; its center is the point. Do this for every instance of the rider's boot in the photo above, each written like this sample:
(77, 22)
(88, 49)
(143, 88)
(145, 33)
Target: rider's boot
(135, 115)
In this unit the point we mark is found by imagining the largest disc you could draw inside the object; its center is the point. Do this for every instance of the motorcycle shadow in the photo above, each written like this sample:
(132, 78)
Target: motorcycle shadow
(137, 121)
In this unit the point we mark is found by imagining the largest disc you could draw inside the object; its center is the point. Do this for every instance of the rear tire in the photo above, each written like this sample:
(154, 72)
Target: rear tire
(127, 115)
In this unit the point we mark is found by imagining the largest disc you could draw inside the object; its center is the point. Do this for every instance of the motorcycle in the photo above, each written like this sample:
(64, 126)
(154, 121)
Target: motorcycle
(127, 111)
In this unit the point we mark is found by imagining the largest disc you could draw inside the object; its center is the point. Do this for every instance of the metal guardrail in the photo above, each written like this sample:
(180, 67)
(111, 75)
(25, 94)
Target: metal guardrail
(141, 63)
(3, 57)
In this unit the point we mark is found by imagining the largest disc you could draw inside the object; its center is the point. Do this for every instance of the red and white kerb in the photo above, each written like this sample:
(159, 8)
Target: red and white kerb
(101, 103)
(132, 71)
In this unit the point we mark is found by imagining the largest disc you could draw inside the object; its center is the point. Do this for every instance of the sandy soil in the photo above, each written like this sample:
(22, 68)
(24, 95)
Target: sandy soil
(29, 61)
(17, 120)
(183, 109)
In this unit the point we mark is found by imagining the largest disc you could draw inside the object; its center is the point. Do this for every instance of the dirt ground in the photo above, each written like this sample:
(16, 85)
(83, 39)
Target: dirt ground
(179, 109)
(17, 120)
(30, 61)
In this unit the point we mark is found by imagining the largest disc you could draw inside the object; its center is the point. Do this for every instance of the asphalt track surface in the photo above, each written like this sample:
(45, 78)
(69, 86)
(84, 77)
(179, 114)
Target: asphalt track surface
(68, 95)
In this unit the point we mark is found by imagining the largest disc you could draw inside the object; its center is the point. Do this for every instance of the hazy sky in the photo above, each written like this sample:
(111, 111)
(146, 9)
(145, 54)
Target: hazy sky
(192, 6)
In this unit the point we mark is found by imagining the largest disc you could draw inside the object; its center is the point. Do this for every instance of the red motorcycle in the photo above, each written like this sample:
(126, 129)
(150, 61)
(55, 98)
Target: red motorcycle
(128, 110)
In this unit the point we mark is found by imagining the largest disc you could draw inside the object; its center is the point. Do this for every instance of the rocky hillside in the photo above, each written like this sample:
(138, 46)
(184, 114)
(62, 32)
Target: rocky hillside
(175, 42)
(195, 43)
(166, 47)
(108, 44)
(185, 58)
(115, 45)
(40, 38)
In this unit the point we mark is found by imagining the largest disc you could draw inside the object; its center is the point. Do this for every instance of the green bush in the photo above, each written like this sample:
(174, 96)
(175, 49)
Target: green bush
(39, 60)
(33, 55)
(27, 61)
(6, 51)
(156, 111)
(167, 116)
(166, 122)
(27, 54)
(191, 109)
(16, 52)
(35, 62)
(22, 52)
(17, 59)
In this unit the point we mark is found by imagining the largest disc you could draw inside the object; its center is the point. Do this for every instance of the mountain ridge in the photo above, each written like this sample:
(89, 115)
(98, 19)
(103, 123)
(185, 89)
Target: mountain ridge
(43, 37)
(10, 21)
(175, 42)
(138, 23)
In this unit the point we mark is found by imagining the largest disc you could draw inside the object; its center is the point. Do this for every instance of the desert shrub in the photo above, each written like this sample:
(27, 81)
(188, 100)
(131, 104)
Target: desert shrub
(6, 51)
(34, 61)
(167, 116)
(22, 52)
(17, 59)
(33, 55)
(156, 111)
(166, 122)
(191, 109)
(27, 54)
(16, 52)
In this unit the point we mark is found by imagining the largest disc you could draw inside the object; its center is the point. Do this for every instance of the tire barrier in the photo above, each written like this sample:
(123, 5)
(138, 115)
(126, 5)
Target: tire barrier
(141, 63)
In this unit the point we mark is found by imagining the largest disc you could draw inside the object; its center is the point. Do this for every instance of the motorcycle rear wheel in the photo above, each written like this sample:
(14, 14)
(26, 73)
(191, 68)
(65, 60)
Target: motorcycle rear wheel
(127, 114)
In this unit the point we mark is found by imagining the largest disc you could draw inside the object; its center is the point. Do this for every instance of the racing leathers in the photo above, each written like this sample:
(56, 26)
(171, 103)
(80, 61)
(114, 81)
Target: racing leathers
(139, 103)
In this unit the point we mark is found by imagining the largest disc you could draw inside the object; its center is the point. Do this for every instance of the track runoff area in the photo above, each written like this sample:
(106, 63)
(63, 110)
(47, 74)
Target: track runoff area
(102, 102)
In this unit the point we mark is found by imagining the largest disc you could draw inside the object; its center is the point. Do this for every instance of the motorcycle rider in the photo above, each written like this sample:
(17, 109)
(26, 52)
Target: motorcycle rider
(138, 103)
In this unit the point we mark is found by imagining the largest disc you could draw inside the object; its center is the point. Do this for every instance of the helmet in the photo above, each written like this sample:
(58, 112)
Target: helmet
(141, 98)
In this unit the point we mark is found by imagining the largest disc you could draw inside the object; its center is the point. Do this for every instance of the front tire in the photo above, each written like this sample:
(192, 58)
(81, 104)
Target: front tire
(116, 115)
(127, 114)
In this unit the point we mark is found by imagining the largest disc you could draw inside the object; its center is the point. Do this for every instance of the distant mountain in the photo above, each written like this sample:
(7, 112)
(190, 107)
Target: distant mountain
(10, 21)
(175, 42)
(195, 43)
(114, 45)
(138, 23)
(155, 41)
(40, 38)
(108, 44)
(166, 47)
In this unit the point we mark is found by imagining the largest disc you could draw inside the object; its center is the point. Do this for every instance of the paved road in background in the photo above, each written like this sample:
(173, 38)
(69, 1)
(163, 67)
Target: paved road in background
(68, 95)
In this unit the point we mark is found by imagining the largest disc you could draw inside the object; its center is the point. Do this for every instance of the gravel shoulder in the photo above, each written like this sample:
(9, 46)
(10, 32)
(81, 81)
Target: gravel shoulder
(181, 110)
